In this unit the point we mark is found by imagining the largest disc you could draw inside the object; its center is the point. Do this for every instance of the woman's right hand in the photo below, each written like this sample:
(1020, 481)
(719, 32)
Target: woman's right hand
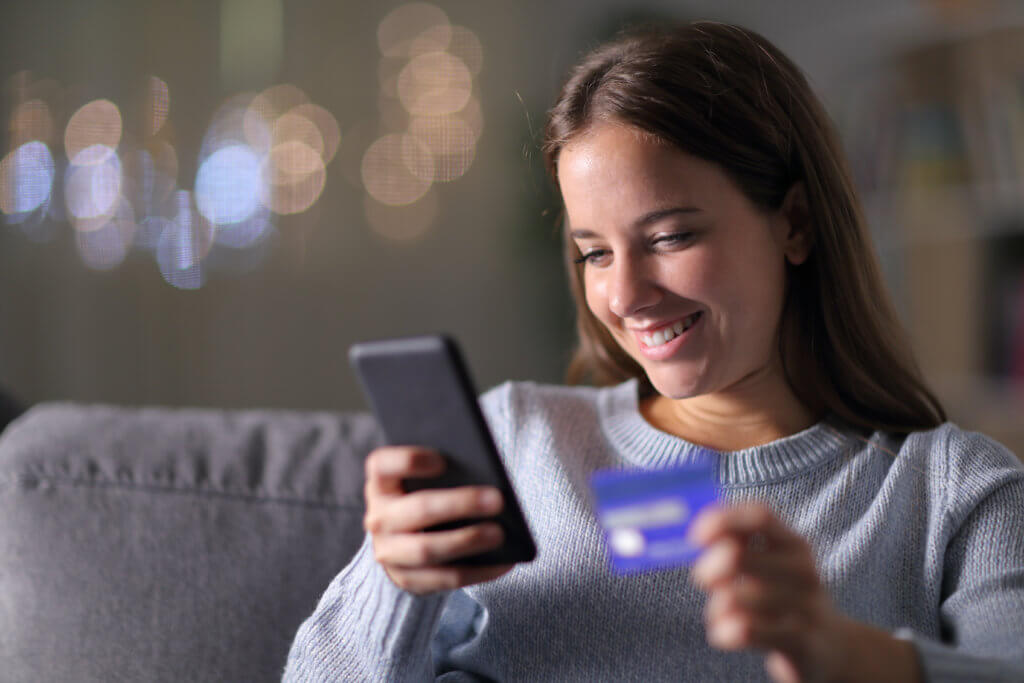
(414, 559)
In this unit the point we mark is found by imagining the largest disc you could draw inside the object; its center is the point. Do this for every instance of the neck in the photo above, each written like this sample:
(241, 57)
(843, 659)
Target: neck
(757, 410)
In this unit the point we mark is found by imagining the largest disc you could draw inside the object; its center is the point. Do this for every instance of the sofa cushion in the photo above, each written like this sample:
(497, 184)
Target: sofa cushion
(170, 544)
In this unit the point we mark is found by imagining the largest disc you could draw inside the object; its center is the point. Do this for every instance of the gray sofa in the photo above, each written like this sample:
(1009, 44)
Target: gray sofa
(170, 544)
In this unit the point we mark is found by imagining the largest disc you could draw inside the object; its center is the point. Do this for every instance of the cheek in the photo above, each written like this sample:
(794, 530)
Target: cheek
(699, 276)
(751, 270)
(761, 297)
(594, 295)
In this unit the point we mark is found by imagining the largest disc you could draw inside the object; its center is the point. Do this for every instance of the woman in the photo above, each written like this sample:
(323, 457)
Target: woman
(727, 298)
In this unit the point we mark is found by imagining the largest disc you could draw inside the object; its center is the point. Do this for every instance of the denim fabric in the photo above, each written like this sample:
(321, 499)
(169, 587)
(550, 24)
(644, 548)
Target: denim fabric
(170, 545)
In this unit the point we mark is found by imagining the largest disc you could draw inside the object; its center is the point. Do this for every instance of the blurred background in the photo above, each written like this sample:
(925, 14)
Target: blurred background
(206, 202)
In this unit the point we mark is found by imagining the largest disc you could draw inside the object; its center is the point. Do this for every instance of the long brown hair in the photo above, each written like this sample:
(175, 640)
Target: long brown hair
(726, 95)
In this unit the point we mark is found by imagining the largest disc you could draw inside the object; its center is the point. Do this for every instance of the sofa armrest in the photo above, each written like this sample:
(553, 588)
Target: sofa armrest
(170, 544)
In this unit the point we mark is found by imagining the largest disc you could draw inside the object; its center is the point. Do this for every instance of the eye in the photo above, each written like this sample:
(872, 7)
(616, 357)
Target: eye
(673, 239)
(593, 256)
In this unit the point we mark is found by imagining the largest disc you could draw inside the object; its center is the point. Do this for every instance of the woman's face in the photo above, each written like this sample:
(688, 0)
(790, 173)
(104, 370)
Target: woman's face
(685, 273)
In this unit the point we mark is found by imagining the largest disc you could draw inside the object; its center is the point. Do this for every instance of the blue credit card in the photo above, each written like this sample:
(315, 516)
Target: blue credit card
(646, 513)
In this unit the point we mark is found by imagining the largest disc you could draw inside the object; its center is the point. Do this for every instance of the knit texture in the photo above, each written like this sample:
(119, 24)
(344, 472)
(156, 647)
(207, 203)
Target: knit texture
(921, 535)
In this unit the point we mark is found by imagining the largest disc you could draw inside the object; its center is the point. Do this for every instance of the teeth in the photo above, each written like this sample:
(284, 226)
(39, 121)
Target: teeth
(660, 337)
(669, 333)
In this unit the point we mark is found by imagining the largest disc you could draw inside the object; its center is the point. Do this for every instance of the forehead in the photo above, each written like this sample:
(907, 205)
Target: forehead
(612, 169)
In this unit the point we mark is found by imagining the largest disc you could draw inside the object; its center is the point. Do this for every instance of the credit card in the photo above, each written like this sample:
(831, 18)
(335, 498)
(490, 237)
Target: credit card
(646, 513)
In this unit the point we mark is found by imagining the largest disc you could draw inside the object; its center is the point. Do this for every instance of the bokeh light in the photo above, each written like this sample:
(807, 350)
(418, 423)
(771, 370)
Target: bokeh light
(248, 233)
(330, 132)
(165, 162)
(92, 185)
(436, 38)
(149, 176)
(231, 125)
(399, 30)
(258, 125)
(183, 244)
(107, 246)
(427, 106)
(228, 184)
(150, 229)
(296, 196)
(397, 169)
(263, 157)
(294, 127)
(277, 99)
(96, 123)
(296, 177)
(26, 179)
(450, 140)
(291, 161)
(465, 45)
(435, 83)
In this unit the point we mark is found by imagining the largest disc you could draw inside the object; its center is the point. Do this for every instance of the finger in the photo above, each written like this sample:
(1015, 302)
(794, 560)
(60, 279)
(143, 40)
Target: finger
(781, 668)
(386, 468)
(717, 563)
(422, 509)
(420, 550)
(757, 599)
(743, 631)
(744, 519)
(729, 559)
(433, 579)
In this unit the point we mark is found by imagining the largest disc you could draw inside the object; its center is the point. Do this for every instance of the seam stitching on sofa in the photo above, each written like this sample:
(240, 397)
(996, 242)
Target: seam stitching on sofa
(153, 488)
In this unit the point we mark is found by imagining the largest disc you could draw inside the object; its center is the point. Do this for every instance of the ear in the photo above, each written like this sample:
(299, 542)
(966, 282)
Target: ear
(795, 225)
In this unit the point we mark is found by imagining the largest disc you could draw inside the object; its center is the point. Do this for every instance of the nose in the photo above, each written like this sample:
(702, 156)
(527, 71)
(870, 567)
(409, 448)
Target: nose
(631, 288)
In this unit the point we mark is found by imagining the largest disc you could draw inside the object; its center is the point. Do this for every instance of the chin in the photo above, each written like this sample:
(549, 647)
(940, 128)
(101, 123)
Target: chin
(675, 387)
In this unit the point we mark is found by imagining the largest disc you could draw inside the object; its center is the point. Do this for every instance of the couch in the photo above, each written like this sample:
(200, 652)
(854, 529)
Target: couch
(155, 544)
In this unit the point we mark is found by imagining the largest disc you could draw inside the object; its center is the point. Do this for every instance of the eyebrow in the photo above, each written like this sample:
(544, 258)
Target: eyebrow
(642, 221)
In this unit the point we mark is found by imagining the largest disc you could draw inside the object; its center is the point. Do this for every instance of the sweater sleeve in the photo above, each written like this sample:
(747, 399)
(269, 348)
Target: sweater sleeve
(366, 629)
(982, 607)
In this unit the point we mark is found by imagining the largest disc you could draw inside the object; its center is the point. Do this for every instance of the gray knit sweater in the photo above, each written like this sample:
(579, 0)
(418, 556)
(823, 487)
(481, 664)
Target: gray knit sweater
(921, 535)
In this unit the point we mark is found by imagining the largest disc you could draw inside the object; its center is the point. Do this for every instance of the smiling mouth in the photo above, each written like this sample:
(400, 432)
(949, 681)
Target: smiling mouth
(670, 332)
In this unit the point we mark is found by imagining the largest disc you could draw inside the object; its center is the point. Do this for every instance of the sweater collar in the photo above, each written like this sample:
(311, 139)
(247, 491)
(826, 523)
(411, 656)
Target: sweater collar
(642, 445)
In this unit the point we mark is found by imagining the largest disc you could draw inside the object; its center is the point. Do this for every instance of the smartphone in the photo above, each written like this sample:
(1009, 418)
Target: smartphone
(422, 395)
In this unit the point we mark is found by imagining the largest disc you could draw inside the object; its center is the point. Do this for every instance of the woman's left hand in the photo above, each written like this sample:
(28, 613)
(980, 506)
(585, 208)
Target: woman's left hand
(764, 592)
